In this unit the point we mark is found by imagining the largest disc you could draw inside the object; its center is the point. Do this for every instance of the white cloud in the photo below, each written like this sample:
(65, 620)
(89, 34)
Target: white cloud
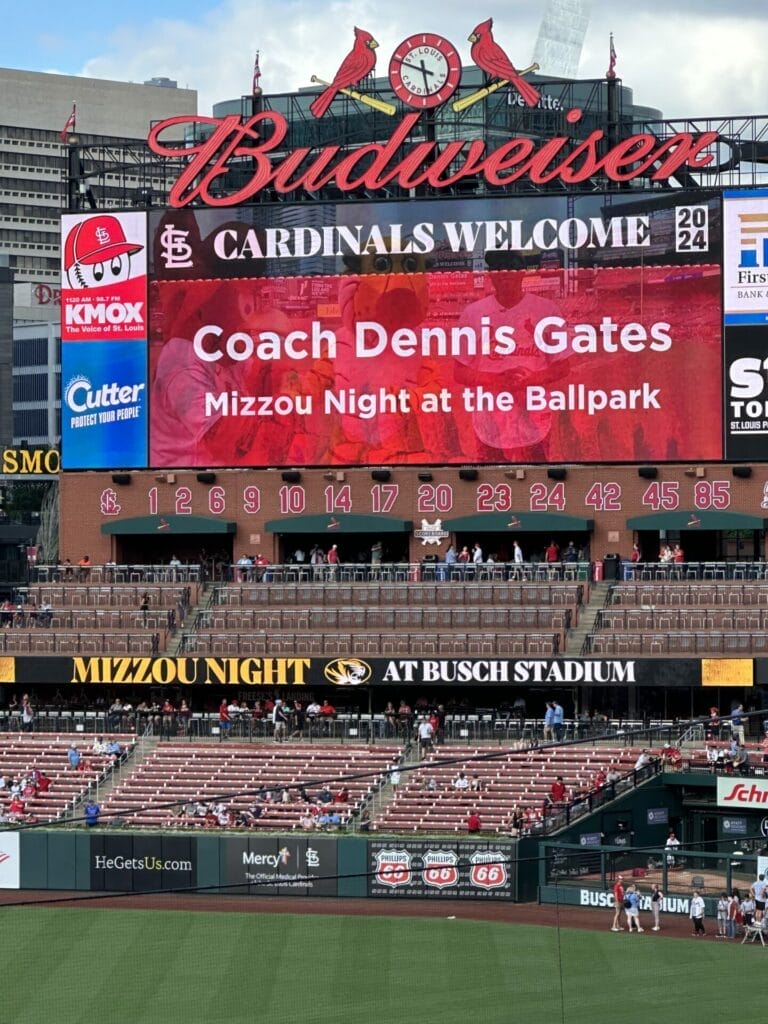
(705, 59)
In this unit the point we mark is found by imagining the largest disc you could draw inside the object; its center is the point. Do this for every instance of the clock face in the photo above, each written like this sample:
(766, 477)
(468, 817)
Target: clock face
(425, 70)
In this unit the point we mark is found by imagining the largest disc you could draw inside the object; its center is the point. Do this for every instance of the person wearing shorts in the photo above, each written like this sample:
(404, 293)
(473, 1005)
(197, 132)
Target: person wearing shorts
(759, 892)
(633, 910)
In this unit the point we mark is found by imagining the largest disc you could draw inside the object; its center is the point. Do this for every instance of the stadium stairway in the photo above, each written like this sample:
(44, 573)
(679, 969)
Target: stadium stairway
(177, 637)
(576, 638)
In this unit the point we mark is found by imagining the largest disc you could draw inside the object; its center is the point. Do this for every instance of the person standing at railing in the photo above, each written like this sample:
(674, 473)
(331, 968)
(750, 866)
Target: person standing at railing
(558, 721)
(737, 723)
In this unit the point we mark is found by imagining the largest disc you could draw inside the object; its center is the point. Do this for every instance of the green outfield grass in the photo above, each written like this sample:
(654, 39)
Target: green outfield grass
(134, 967)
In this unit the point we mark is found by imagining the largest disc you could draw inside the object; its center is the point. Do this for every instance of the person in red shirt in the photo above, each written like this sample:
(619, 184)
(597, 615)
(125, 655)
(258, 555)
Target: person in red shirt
(618, 904)
(16, 806)
(473, 822)
(557, 790)
(225, 720)
(342, 797)
(43, 784)
(552, 554)
(327, 710)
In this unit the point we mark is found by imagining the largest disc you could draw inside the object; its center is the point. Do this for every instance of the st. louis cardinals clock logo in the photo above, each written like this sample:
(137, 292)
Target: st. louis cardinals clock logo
(424, 72)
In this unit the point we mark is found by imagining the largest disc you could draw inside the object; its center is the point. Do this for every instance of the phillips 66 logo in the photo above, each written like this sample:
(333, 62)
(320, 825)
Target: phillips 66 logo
(393, 868)
(489, 869)
(441, 869)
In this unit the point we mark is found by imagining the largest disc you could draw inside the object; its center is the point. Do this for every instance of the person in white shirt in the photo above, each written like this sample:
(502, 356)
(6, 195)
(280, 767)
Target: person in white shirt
(643, 760)
(671, 846)
(696, 914)
(425, 732)
(461, 781)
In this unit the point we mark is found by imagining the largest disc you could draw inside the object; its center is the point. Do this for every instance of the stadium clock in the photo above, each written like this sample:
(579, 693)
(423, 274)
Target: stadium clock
(425, 70)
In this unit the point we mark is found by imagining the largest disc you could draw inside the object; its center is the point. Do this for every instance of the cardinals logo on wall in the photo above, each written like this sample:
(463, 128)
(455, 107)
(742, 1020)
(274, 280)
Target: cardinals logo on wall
(425, 70)
(104, 277)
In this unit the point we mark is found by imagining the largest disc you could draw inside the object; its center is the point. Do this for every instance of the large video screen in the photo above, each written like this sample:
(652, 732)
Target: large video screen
(480, 330)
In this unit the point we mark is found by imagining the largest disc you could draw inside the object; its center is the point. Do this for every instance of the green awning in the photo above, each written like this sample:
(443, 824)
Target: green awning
(519, 522)
(698, 519)
(171, 524)
(340, 522)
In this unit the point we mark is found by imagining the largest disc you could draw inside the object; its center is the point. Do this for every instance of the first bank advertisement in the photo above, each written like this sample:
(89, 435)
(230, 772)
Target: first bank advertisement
(104, 341)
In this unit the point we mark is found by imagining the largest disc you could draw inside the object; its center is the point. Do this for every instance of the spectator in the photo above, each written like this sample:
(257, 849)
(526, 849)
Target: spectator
(570, 554)
(114, 751)
(425, 731)
(558, 721)
(279, 721)
(225, 720)
(27, 714)
(45, 614)
(115, 714)
(84, 568)
(333, 561)
(327, 713)
(405, 717)
(473, 822)
(557, 790)
(342, 796)
(461, 782)
(633, 910)
(552, 554)
(364, 824)
(43, 783)
(476, 784)
(644, 758)
(98, 747)
(92, 813)
(313, 713)
(183, 717)
(737, 723)
(74, 756)
(144, 608)
(549, 714)
(671, 847)
(696, 914)
(325, 796)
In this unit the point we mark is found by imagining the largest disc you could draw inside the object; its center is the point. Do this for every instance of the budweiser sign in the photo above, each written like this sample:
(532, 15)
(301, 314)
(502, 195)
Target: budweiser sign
(405, 163)
(746, 793)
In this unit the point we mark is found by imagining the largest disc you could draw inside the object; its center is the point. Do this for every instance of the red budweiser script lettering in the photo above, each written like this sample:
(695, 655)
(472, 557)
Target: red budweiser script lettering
(376, 165)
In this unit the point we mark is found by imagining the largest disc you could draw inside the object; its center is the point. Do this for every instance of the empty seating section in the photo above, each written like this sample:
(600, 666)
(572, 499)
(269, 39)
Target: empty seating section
(683, 617)
(278, 595)
(87, 618)
(511, 781)
(377, 618)
(175, 774)
(338, 644)
(20, 753)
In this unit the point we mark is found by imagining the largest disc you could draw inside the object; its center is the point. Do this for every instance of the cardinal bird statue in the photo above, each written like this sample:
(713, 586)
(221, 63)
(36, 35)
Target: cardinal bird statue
(358, 63)
(489, 56)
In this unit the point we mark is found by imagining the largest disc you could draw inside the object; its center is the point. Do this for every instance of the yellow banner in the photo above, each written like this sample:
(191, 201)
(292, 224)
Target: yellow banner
(727, 672)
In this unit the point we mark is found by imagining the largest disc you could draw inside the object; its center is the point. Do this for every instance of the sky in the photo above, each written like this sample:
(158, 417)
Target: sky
(691, 58)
